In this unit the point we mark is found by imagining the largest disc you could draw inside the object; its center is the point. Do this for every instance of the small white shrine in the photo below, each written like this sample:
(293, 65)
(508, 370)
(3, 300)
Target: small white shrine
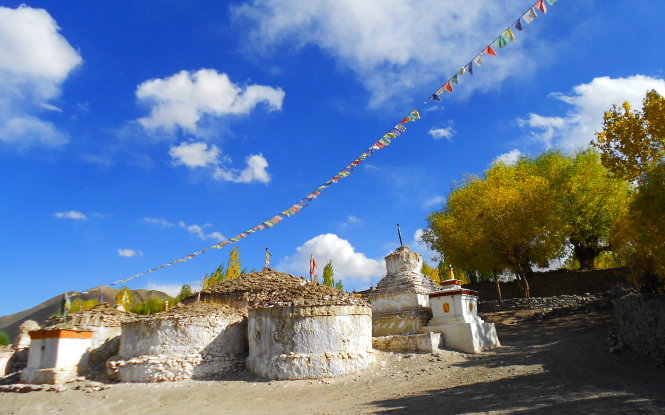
(455, 315)
(55, 355)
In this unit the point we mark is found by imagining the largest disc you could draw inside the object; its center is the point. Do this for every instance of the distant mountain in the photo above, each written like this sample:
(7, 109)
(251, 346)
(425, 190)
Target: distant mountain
(9, 324)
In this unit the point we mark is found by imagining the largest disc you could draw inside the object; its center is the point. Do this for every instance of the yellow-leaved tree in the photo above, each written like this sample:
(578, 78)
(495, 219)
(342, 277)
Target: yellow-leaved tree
(588, 200)
(233, 267)
(505, 220)
(633, 140)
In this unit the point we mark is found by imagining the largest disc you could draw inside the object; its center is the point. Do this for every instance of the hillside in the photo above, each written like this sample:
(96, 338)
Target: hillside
(9, 324)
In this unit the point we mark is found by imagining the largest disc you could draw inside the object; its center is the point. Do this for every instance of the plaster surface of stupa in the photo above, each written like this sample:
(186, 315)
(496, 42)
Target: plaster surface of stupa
(400, 301)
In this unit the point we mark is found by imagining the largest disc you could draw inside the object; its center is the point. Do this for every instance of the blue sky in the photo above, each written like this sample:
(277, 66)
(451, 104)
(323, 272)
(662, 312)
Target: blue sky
(133, 133)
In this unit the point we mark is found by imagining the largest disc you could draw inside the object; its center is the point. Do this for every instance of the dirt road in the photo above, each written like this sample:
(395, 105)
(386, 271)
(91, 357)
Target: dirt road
(552, 367)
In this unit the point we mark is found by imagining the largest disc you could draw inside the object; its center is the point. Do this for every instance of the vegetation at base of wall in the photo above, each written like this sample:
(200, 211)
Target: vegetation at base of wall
(4, 338)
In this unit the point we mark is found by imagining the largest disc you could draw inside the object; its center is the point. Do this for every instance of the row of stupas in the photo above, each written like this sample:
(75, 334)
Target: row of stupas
(275, 325)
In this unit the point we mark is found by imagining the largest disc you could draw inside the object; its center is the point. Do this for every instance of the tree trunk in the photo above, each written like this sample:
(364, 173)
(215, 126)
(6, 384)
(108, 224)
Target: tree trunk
(586, 255)
(527, 290)
(498, 287)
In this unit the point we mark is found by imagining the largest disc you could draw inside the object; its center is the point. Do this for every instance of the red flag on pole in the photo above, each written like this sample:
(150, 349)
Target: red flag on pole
(312, 267)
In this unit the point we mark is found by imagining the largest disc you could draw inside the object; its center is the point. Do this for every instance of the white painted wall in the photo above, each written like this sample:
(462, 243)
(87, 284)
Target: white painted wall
(186, 347)
(309, 342)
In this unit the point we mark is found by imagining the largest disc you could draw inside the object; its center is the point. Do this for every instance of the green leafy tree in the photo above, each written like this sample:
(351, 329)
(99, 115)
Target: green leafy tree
(125, 297)
(214, 278)
(4, 338)
(588, 200)
(632, 141)
(339, 286)
(151, 306)
(185, 291)
(328, 274)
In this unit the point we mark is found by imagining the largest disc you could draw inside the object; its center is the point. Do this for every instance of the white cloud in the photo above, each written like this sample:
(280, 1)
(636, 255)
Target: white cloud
(434, 201)
(255, 171)
(351, 220)
(34, 61)
(160, 222)
(588, 102)
(202, 155)
(184, 99)
(391, 45)
(509, 158)
(200, 231)
(350, 266)
(129, 253)
(195, 154)
(445, 132)
(70, 214)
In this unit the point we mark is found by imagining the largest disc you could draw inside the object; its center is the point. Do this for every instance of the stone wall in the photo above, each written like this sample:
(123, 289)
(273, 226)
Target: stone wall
(640, 319)
(557, 282)
(413, 343)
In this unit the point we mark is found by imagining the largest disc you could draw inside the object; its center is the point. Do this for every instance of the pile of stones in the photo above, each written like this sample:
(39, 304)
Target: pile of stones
(102, 314)
(270, 288)
(552, 307)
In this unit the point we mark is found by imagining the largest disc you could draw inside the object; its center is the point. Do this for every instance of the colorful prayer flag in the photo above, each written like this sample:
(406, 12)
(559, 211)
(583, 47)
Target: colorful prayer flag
(541, 6)
(489, 51)
(478, 60)
(508, 33)
(500, 42)
(551, 2)
(530, 16)
(469, 68)
(435, 97)
(448, 87)
(461, 71)
(454, 80)
(518, 25)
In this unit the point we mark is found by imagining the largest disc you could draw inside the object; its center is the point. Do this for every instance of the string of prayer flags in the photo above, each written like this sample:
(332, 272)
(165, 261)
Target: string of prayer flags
(383, 142)
(500, 42)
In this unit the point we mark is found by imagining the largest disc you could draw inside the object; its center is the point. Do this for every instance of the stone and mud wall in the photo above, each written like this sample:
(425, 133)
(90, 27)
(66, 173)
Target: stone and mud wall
(557, 282)
(640, 320)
